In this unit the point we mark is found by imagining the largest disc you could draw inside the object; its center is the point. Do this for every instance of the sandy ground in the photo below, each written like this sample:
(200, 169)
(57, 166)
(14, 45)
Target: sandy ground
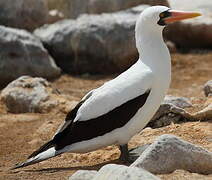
(21, 134)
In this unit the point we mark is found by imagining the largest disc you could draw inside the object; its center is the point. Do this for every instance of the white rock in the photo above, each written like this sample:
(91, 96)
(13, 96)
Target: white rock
(121, 172)
(169, 153)
(83, 175)
(28, 94)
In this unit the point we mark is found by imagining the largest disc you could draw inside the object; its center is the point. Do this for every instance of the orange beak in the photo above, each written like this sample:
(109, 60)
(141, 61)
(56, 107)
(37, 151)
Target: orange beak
(180, 15)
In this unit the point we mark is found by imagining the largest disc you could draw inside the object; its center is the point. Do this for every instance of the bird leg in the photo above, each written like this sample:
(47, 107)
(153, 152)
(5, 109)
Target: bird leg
(124, 153)
(126, 156)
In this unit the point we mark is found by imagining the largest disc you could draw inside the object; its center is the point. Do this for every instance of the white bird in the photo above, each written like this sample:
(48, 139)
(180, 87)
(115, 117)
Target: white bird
(122, 107)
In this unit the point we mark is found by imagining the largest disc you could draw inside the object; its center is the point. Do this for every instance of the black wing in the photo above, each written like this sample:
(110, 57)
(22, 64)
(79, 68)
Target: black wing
(72, 114)
(74, 132)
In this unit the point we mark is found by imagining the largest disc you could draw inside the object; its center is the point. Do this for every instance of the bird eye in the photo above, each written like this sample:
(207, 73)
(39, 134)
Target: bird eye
(162, 15)
(165, 14)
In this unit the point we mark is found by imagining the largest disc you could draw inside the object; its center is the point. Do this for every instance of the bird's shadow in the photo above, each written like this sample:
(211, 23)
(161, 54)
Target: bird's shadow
(60, 169)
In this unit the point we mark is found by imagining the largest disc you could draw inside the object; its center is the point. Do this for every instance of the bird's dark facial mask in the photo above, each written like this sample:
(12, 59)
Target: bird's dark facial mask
(171, 16)
(162, 16)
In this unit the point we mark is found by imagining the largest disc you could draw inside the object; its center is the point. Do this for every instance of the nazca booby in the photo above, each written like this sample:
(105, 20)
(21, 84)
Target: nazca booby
(120, 108)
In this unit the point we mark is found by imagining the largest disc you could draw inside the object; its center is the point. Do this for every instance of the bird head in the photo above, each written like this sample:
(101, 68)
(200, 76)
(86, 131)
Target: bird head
(152, 21)
(157, 17)
(170, 16)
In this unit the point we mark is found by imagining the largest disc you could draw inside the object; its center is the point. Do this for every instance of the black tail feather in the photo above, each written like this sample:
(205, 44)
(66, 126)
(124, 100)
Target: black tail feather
(27, 163)
(42, 148)
(32, 159)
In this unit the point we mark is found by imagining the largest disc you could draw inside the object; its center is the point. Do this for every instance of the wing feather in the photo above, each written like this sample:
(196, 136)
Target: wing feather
(129, 85)
(115, 93)
(72, 114)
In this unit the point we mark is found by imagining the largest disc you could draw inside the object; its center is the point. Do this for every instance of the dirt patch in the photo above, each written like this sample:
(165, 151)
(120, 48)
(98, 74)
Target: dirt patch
(23, 133)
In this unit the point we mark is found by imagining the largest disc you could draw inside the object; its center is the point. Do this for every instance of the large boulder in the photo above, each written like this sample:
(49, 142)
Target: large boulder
(121, 172)
(193, 33)
(114, 172)
(169, 153)
(74, 8)
(78, 7)
(74, 44)
(93, 43)
(187, 35)
(23, 14)
(27, 94)
(23, 54)
(83, 175)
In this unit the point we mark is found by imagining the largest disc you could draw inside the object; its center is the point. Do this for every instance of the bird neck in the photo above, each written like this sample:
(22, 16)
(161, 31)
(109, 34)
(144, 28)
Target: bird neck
(153, 51)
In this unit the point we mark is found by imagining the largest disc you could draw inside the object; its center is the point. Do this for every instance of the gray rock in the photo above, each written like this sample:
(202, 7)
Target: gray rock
(74, 43)
(74, 8)
(83, 175)
(169, 153)
(121, 172)
(23, 14)
(136, 152)
(208, 88)
(171, 111)
(77, 7)
(190, 35)
(193, 33)
(23, 54)
(205, 113)
(164, 116)
(28, 94)
(180, 102)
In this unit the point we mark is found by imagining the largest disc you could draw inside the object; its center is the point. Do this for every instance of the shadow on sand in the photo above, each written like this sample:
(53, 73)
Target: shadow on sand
(60, 169)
